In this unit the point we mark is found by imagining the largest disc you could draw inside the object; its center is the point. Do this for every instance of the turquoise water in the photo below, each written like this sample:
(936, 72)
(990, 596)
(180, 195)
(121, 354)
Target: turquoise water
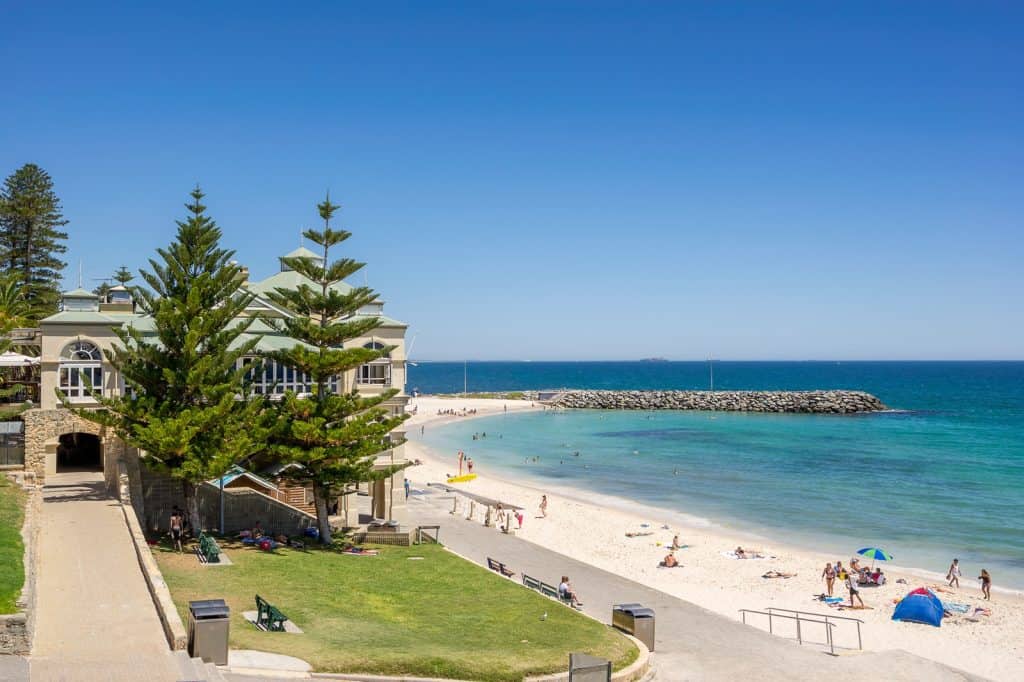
(943, 477)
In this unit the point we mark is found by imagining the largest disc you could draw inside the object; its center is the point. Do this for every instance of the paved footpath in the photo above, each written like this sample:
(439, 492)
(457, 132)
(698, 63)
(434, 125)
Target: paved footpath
(691, 643)
(96, 620)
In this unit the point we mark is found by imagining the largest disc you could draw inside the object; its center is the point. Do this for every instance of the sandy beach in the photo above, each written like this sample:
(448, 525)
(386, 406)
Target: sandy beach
(593, 528)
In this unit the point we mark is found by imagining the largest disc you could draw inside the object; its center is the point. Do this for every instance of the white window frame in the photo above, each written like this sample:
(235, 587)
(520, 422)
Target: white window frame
(277, 379)
(78, 358)
(376, 372)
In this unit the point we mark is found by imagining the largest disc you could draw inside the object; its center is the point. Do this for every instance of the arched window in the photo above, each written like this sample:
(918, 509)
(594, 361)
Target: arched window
(377, 372)
(78, 359)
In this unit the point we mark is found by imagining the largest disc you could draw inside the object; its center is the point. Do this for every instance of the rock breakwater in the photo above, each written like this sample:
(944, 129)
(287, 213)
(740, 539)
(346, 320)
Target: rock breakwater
(807, 402)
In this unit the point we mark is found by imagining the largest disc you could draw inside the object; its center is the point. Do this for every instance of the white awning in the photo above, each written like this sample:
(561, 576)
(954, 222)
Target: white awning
(12, 359)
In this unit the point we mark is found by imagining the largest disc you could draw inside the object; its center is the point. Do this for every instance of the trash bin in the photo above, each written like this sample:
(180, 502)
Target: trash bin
(208, 623)
(637, 620)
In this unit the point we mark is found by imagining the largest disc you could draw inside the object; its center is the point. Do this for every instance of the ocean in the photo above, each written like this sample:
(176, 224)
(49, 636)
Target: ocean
(940, 476)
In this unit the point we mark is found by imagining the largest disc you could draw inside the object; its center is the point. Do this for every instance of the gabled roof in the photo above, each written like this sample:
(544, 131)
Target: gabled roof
(303, 252)
(79, 293)
(289, 279)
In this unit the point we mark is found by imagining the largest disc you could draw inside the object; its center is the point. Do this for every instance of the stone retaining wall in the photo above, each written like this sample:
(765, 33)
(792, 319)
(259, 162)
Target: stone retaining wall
(816, 402)
(18, 629)
(174, 629)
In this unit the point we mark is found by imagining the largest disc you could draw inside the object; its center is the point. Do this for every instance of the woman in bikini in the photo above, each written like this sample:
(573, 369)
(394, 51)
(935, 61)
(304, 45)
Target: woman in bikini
(829, 574)
(986, 584)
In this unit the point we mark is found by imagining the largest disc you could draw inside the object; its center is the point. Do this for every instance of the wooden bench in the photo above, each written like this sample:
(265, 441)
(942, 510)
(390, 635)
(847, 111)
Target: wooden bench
(532, 583)
(208, 550)
(499, 567)
(268, 617)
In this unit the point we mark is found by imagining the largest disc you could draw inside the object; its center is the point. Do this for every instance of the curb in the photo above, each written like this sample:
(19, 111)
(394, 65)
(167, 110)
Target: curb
(174, 629)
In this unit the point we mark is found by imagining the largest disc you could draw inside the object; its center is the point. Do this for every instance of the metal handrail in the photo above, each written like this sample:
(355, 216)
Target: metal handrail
(798, 619)
(826, 616)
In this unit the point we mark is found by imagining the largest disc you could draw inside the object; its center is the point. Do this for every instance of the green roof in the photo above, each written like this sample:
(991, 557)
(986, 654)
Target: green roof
(385, 321)
(268, 342)
(289, 279)
(82, 317)
(79, 293)
(303, 252)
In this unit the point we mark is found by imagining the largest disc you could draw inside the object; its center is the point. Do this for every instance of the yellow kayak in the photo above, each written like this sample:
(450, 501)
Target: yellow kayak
(462, 479)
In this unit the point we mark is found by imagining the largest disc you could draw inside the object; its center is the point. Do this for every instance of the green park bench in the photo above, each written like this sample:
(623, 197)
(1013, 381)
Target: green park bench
(532, 583)
(208, 550)
(268, 617)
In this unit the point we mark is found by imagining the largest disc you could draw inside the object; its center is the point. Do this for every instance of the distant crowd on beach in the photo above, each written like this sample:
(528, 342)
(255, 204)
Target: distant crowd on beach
(464, 412)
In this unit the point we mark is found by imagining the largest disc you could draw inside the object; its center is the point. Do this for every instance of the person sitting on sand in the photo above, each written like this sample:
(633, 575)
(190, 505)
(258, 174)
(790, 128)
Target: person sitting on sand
(740, 554)
(565, 591)
(675, 542)
(669, 561)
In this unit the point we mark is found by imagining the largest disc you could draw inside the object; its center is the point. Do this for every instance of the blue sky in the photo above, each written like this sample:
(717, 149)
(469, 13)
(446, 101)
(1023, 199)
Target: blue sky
(547, 180)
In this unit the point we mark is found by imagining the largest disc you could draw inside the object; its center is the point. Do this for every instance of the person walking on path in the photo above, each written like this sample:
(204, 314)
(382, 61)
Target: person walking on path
(543, 506)
(953, 576)
(986, 584)
(851, 584)
(176, 528)
(829, 574)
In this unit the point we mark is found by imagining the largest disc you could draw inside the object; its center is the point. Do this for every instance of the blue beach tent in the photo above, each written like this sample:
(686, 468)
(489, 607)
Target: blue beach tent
(920, 606)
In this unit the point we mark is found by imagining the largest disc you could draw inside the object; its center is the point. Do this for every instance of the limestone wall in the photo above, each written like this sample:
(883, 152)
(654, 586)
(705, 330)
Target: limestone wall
(817, 402)
(242, 507)
(43, 428)
(18, 629)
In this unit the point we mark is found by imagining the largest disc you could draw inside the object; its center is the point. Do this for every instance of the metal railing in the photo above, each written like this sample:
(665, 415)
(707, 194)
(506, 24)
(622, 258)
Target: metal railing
(799, 620)
(826, 616)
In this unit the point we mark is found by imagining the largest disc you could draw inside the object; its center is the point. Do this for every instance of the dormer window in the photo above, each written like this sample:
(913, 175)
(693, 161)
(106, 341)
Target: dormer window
(81, 364)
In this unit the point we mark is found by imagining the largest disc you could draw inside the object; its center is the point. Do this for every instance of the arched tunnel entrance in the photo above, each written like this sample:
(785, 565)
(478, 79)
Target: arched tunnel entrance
(79, 452)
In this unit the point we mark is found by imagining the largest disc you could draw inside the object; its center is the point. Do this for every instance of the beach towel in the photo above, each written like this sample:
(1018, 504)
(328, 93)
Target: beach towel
(833, 600)
(956, 607)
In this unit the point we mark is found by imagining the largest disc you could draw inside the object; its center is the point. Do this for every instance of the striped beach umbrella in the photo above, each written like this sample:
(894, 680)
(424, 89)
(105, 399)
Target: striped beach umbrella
(875, 554)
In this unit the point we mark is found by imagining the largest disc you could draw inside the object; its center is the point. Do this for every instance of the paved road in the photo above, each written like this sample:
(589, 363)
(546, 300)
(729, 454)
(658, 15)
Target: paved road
(691, 643)
(96, 620)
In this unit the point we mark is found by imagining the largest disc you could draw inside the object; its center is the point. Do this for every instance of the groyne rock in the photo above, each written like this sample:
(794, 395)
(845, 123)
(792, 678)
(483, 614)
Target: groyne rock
(807, 402)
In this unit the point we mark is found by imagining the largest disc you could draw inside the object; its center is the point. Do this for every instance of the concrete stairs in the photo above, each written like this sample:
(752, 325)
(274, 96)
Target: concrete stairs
(196, 670)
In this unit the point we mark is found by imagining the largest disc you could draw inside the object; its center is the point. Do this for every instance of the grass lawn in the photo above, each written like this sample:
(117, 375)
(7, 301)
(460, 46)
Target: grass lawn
(12, 570)
(440, 616)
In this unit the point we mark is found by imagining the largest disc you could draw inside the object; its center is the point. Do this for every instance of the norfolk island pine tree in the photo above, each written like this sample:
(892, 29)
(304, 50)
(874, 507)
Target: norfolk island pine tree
(334, 437)
(187, 405)
(30, 237)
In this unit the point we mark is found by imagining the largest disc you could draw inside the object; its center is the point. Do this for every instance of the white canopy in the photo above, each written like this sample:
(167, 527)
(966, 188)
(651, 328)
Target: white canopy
(12, 359)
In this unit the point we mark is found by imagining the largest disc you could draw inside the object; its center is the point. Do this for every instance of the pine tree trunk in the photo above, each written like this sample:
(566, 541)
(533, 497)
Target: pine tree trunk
(191, 493)
(323, 522)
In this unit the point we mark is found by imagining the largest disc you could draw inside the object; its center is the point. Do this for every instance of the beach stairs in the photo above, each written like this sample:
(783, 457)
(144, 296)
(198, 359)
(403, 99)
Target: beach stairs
(196, 669)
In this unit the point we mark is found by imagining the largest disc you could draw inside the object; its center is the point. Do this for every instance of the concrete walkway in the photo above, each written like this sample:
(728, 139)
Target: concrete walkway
(96, 620)
(691, 643)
